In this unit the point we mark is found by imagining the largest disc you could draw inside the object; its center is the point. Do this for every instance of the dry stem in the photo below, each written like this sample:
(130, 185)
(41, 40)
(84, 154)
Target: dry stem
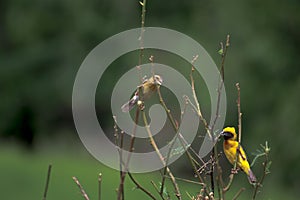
(85, 196)
(225, 189)
(139, 186)
(99, 186)
(47, 182)
(238, 193)
(154, 145)
(265, 164)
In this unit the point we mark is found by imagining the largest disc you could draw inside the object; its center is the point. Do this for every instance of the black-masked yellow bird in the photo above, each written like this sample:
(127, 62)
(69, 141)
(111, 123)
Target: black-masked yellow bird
(149, 86)
(230, 147)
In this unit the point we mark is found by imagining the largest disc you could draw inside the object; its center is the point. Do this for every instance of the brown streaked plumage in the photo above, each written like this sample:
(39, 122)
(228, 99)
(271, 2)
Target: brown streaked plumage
(149, 86)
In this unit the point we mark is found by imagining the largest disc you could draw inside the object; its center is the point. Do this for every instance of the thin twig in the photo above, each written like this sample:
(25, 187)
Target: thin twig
(139, 186)
(210, 130)
(215, 149)
(85, 196)
(265, 172)
(225, 189)
(47, 181)
(221, 83)
(119, 139)
(120, 144)
(187, 180)
(238, 193)
(123, 173)
(157, 190)
(141, 38)
(170, 117)
(178, 134)
(198, 110)
(154, 145)
(99, 186)
(202, 119)
(239, 112)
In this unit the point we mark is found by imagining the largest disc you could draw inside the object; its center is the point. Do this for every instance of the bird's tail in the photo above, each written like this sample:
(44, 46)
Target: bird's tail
(251, 177)
(130, 104)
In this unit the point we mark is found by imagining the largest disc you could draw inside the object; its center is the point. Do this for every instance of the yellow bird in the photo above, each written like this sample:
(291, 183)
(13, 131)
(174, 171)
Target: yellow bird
(230, 146)
(149, 86)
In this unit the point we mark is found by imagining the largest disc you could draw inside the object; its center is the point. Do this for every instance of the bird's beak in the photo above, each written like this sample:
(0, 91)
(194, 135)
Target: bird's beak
(221, 134)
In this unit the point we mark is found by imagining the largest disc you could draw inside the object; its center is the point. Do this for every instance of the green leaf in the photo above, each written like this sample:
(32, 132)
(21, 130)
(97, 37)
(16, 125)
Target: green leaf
(268, 167)
(221, 51)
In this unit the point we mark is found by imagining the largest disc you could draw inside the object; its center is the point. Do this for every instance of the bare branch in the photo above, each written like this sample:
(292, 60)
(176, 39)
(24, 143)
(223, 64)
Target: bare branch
(99, 185)
(47, 182)
(238, 193)
(85, 196)
(139, 186)
(266, 165)
(225, 189)
(141, 39)
(154, 145)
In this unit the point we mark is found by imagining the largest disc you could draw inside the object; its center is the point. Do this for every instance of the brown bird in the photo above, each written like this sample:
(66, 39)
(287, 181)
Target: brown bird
(148, 86)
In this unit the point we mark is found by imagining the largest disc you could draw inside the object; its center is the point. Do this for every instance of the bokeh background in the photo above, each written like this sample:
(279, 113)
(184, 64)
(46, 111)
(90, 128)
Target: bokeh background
(42, 45)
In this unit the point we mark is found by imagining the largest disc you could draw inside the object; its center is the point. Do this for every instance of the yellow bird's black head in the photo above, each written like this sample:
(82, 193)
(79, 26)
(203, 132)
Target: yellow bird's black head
(229, 133)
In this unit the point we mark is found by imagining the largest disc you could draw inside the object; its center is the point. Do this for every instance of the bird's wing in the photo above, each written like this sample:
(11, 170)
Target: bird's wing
(242, 153)
(145, 79)
(130, 104)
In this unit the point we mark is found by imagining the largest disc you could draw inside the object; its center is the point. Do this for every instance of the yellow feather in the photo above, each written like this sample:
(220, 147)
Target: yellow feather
(230, 147)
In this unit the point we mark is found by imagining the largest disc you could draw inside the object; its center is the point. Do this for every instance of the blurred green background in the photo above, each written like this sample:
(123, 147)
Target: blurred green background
(42, 45)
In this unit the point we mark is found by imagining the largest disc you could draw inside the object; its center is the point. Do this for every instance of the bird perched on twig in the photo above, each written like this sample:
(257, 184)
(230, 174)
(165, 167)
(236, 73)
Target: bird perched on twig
(230, 147)
(148, 87)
